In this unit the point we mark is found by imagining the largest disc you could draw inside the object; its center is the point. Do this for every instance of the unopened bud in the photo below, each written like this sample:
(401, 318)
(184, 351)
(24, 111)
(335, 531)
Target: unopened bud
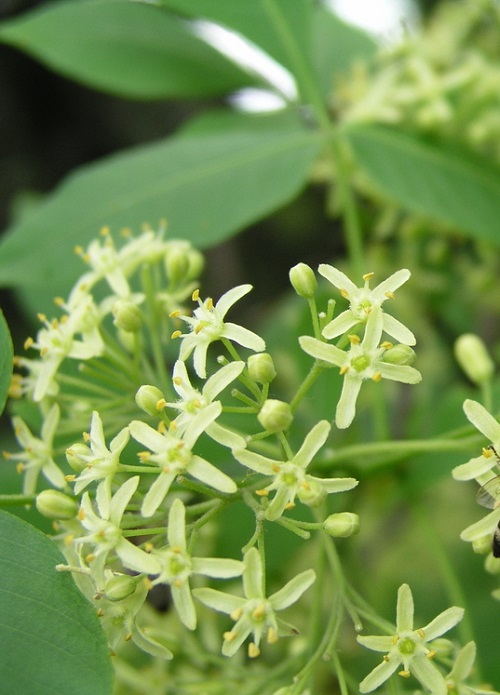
(472, 356)
(311, 494)
(482, 545)
(177, 265)
(127, 316)
(492, 564)
(119, 587)
(303, 280)
(342, 525)
(78, 456)
(399, 354)
(275, 416)
(148, 397)
(261, 368)
(56, 505)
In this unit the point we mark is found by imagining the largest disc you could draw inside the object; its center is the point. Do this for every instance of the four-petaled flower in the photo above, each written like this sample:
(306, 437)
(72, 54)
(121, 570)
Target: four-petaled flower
(410, 647)
(38, 454)
(101, 462)
(193, 403)
(290, 477)
(364, 360)
(255, 613)
(173, 455)
(207, 325)
(174, 565)
(362, 302)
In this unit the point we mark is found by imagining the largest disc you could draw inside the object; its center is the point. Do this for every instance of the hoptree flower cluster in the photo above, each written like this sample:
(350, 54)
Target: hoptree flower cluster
(178, 427)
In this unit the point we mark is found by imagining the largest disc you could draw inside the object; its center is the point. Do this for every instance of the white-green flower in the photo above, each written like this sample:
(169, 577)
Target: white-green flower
(255, 614)
(192, 403)
(207, 325)
(104, 532)
(290, 479)
(461, 670)
(410, 647)
(362, 302)
(490, 428)
(57, 340)
(173, 455)
(364, 360)
(101, 462)
(174, 565)
(38, 452)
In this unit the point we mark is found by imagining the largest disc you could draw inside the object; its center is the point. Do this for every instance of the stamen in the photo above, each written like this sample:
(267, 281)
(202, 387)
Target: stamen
(344, 294)
(176, 334)
(344, 369)
(377, 376)
(229, 636)
(175, 314)
(431, 654)
(253, 650)
(195, 296)
(367, 276)
(236, 614)
(272, 635)
(354, 339)
(262, 493)
(389, 294)
(405, 674)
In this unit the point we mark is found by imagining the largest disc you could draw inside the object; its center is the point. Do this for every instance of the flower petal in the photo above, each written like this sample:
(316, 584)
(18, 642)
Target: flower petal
(483, 527)
(339, 325)
(337, 278)
(391, 284)
(482, 420)
(230, 297)
(404, 609)
(425, 672)
(156, 493)
(346, 407)
(219, 600)
(176, 532)
(312, 443)
(121, 498)
(378, 643)
(443, 622)
(253, 580)
(222, 568)
(398, 330)
(379, 674)
(464, 661)
(400, 372)
(292, 590)
(244, 337)
(210, 475)
(221, 379)
(323, 351)
(474, 468)
(183, 602)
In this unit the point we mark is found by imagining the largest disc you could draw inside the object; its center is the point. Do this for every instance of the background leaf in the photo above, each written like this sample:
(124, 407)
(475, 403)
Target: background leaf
(454, 187)
(52, 642)
(6, 355)
(336, 46)
(280, 27)
(208, 186)
(126, 48)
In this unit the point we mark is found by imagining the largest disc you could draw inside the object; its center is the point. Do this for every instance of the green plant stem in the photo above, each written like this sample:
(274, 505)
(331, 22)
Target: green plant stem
(314, 373)
(16, 500)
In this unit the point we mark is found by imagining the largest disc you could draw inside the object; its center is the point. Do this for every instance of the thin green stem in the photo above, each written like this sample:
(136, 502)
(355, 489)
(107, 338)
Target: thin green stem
(314, 373)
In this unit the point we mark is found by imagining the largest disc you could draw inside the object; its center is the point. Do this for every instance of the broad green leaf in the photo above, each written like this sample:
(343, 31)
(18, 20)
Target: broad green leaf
(208, 186)
(52, 642)
(6, 355)
(457, 188)
(280, 27)
(130, 49)
(336, 46)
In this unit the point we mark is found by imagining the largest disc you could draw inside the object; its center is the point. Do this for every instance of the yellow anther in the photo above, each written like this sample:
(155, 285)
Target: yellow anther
(175, 314)
(198, 328)
(290, 505)
(89, 558)
(166, 469)
(395, 639)
(405, 674)
(144, 456)
(173, 426)
(389, 294)
(100, 613)
(421, 632)
(177, 380)
(386, 657)
(28, 343)
(387, 345)
(125, 232)
(78, 250)
(70, 478)
(272, 635)
(262, 493)
(128, 637)
(64, 319)
(148, 546)
(176, 334)
(305, 485)
(367, 276)
(148, 584)
(104, 231)
(236, 614)
(343, 370)
(276, 468)
(259, 612)
(81, 514)
(377, 376)
(354, 339)
(162, 428)
(161, 404)
(344, 294)
(209, 303)
(178, 583)
(229, 636)
(6, 454)
(176, 549)
(69, 539)
(195, 296)
(58, 301)
(431, 654)
(20, 467)
(86, 436)
(253, 650)
(487, 452)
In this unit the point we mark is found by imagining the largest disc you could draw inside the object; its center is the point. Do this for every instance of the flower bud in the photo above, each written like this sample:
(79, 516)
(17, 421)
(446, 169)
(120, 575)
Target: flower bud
(147, 398)
(56, 505)
(119, 587)
(196, 264)
(303, 280)
(482, 545)
(311, 493)
(275, 416)
(78, 456)
(342, 525)
(177, 265)
(472, 356)
(127, 316)
(492, 564)
(261, 368)
(399, 354)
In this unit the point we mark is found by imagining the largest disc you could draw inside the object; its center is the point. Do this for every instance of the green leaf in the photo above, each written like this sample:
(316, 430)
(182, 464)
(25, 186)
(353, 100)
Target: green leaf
(6, 355)
(208, 185)
(336, 46)
(130, 49)
(52, 642)
(454, 187)
(280, 27)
